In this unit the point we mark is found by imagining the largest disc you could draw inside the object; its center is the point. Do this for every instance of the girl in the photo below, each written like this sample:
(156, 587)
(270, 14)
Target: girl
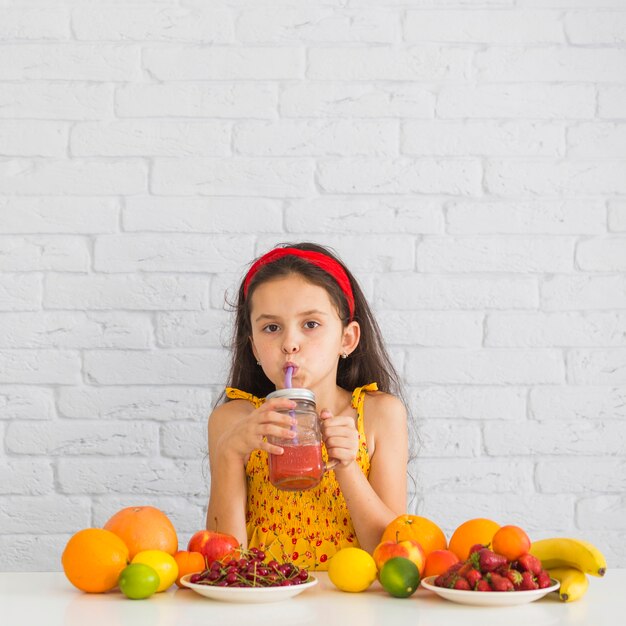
(299, 306)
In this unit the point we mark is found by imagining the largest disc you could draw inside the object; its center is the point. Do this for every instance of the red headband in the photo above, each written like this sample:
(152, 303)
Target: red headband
(328, 264)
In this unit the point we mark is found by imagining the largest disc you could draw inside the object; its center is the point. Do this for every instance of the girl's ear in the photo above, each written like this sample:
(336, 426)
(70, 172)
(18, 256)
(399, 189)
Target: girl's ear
(351, 337)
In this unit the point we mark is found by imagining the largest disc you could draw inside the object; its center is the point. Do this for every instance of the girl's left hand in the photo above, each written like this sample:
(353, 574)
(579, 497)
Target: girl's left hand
(340, 436)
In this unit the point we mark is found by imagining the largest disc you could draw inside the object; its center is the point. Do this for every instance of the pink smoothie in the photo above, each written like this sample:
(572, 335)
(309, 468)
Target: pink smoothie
(298, 468)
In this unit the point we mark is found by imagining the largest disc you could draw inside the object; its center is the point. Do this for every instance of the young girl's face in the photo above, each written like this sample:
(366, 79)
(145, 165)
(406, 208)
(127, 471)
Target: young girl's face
(295, 323)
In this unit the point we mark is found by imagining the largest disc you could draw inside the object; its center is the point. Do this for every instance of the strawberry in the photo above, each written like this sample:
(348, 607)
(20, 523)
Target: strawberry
(529, 563)
(455, 567)
(487, 561)
(477, 547)
(482, 585)
(447, 577)
(515, 577)
(465, 568)
(439, 581)
(527, 582)
(499, 583)
(461, 583)
(450, 574)
(503, 569)
(472, 577)
(543, 579)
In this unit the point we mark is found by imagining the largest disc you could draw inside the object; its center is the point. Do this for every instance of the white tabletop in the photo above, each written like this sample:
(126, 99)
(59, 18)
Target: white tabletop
(48, 599)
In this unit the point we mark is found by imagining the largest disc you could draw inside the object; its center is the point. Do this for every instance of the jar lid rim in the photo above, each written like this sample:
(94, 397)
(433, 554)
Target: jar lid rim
(295, 393)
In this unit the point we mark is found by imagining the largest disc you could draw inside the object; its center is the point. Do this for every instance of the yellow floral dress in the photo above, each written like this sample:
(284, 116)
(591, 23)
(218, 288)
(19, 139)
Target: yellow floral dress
(305, 527)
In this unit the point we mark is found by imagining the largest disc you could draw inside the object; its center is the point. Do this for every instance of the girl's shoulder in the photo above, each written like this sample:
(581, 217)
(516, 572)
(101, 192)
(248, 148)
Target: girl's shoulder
(384, 422)
(229, 410)
(384, 405)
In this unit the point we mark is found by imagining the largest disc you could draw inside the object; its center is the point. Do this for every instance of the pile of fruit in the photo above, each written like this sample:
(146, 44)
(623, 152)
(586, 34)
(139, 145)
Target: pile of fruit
(399, 561)
(250, 570)
(137, 551)
(480, 556)
(486, 570)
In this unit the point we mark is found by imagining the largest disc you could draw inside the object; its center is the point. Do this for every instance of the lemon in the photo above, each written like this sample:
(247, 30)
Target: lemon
(163, 563)
(399, 577)
(352, 569)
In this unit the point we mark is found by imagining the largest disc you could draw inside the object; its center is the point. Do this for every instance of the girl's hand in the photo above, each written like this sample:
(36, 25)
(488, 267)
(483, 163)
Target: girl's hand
(247, 433)
(340, 436)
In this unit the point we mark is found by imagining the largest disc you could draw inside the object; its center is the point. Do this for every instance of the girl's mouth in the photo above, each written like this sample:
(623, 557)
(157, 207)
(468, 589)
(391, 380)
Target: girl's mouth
(293, 366)
(288, 369)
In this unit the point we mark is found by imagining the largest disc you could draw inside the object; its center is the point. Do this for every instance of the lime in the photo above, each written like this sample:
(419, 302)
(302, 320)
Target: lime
(352, 569)
(138, 581)
(399, 577)
(163, 563)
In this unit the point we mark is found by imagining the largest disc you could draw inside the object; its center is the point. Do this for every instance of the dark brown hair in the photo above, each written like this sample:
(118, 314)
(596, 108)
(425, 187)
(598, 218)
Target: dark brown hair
(368, 363)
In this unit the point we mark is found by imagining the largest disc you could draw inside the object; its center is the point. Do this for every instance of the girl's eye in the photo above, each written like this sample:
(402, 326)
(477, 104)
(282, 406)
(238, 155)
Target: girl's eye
(271, 328)
(311, 324)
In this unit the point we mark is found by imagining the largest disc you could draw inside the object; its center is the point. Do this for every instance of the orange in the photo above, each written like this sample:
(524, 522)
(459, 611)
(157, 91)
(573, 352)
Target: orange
(188, 563)
(438, 562)
(144, 528)
(416, 528)
(93, 559)
(478, 530)
(511, 542)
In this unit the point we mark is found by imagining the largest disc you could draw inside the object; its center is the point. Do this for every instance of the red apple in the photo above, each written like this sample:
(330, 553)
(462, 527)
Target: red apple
(213, 545)
(408, 549)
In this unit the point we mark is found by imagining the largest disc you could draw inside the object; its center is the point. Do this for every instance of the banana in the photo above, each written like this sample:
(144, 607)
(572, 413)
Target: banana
(574, 583)
(566, 552)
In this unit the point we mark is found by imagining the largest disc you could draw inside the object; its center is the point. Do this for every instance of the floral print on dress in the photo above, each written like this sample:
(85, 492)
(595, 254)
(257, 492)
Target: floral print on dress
(305, 527)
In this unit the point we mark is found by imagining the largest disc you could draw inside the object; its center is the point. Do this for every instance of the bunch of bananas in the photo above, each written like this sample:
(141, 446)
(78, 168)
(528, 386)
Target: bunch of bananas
(569, 561)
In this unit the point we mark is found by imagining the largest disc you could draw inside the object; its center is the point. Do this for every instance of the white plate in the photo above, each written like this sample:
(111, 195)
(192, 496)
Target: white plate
(488, 598)
(248, 594)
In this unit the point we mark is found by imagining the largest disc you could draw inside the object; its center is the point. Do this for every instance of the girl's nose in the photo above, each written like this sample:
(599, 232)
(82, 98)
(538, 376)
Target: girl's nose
(290, 346)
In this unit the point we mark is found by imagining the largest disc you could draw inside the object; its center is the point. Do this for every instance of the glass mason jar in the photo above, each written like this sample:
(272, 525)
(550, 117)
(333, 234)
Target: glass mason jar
(300, 466)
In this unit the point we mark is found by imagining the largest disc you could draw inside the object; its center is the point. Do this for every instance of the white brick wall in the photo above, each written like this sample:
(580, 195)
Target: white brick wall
(467, 158)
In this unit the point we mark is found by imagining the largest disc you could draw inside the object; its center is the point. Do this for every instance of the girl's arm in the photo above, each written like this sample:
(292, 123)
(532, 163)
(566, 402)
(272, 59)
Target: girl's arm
(227, 502)
(234, 432)
(375, 501)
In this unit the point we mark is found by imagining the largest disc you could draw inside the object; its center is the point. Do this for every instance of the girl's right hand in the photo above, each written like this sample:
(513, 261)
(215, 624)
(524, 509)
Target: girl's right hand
(241, 435)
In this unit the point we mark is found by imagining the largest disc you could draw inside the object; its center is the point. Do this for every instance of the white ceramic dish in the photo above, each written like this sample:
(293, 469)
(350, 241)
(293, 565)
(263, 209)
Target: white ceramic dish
(488, 598)
(248, 594)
